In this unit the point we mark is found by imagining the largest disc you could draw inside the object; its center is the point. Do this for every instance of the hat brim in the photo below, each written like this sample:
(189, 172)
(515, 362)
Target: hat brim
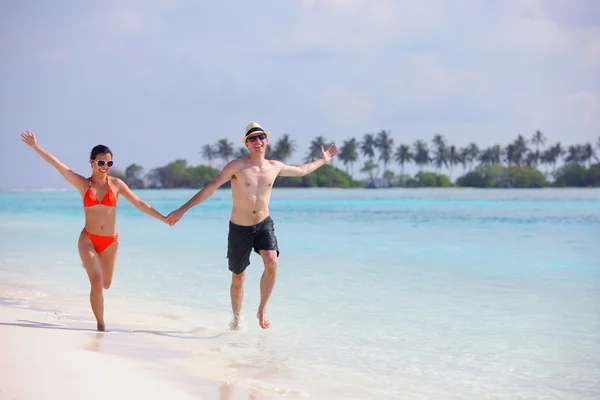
(245, 138)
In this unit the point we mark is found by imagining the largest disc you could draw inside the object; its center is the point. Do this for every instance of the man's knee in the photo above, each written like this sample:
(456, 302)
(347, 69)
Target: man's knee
(270, 260)
(107, 284)
(237, 280)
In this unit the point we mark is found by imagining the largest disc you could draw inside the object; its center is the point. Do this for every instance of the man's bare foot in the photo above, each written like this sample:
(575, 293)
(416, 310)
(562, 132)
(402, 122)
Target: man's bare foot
(101, 327)
(235, 324)
(263, 321)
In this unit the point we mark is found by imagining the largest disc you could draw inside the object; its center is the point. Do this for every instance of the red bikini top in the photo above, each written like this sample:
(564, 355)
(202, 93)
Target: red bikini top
(109, 199)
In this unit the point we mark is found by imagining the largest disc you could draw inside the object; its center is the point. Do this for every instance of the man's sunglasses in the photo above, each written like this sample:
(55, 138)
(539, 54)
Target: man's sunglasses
(262, 136)
(101, 163)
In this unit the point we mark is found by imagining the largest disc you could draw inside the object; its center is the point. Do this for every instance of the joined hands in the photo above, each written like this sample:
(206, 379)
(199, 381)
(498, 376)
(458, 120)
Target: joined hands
(174, 216)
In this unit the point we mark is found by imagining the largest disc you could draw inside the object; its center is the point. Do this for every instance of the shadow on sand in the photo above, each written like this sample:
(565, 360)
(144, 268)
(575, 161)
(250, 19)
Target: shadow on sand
(175, 334)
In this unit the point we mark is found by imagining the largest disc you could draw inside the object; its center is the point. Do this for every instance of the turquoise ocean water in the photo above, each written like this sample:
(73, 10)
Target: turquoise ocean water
(381, 294)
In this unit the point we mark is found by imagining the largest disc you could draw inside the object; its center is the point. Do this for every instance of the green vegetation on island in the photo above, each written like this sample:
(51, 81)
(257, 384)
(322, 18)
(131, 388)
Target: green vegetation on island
(521, 164)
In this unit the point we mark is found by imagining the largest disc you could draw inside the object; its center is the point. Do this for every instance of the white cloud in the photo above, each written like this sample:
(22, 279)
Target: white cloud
(127, 18)
(533, 9)
(429, 78)
(584, 104)
(358, 25)
(345, 108)
(592, 52)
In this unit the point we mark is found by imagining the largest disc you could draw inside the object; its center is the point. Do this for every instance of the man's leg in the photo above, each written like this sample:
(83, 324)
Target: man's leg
(267, 282)
(237, 296)
(239, 247)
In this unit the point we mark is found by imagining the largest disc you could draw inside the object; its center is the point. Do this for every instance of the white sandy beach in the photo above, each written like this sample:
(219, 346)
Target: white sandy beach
(43, 358)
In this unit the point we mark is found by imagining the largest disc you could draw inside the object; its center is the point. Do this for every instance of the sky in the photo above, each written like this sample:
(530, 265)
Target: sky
(155, 80)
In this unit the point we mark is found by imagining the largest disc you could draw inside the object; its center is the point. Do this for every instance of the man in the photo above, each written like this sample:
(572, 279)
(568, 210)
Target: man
(251, 226)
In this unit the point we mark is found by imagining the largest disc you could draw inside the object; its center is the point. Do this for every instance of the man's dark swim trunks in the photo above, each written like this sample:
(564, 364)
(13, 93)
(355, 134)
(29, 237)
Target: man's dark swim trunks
(242, 239)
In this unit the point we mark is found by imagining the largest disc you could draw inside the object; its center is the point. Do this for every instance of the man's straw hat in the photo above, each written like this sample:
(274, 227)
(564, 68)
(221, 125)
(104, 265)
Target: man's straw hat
(253, 128)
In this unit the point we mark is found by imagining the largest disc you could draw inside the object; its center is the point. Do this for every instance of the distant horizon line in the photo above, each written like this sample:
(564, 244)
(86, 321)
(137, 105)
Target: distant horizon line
(320, 188)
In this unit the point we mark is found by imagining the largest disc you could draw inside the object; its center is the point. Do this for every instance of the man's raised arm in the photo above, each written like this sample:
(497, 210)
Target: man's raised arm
(305, 169)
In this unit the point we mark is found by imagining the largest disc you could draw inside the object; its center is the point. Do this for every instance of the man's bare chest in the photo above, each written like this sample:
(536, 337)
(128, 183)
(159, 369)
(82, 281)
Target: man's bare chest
(256, 178)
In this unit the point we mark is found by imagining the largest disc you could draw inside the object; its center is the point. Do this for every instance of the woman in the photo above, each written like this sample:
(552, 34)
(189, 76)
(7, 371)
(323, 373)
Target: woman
(99, 240)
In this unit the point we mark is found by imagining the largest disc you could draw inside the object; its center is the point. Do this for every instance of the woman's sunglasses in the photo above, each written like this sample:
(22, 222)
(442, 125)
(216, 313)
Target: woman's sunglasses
(101, 163)
(262, 136)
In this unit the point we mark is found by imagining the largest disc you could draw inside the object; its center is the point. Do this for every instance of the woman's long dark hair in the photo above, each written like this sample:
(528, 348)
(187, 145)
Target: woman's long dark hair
(99, 149)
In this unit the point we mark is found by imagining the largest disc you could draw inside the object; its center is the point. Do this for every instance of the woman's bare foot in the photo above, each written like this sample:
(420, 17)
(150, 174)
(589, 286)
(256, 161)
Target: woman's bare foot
(263, 321)
(101, 327)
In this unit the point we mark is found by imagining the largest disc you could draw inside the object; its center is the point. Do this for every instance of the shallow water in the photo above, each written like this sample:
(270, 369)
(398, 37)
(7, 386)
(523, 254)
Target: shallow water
(381, 294)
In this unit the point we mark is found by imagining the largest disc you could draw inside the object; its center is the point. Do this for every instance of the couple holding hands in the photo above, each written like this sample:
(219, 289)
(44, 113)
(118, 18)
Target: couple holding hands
(250, 225)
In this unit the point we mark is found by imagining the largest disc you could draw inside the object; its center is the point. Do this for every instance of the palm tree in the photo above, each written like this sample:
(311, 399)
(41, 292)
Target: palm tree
(574, 154)
(421, 154)
(538, 139)
(547, 158)
(496, 154)
(485, 157)
(533, 158)
(454, 158)
(516, 151)
(468, 155)
(440, 155)
(349, 154)
(403, 156)
(367, 146)
(208, 153)
(269, 152)
(284, 148)
(587, 154)
(384, 143)
(314, 151)
(491, 155)
(510, 154)
(388, 175)
(552, 155)
(372, 169)
(224, 150)
(241, 152)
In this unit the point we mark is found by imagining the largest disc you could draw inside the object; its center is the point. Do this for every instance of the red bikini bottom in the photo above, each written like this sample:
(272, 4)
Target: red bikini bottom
(100, 242)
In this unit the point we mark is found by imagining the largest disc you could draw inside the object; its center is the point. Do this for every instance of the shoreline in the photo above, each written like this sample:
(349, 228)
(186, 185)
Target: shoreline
(192, 351)
(52, 354)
